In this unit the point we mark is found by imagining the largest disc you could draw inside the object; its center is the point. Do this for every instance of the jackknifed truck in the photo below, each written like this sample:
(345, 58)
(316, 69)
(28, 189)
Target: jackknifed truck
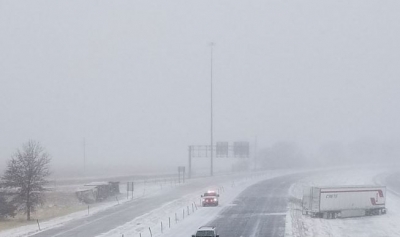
(344, 201)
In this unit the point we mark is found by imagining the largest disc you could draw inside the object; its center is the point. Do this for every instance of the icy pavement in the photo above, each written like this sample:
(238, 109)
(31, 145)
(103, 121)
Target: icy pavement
(106, 216)
(150, 224)
(184, 225)
(181, 214)
(259, 210)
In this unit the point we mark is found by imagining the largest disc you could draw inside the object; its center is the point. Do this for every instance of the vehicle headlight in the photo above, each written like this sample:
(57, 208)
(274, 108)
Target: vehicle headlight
(215, 199)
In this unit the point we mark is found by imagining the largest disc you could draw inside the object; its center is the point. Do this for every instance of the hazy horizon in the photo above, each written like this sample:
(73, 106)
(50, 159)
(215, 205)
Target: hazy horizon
(132, 78)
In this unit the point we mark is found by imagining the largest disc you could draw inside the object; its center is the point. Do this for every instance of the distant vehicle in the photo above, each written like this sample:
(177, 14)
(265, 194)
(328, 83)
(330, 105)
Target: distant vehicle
(210, 198)
(206, 231)
(345, 201)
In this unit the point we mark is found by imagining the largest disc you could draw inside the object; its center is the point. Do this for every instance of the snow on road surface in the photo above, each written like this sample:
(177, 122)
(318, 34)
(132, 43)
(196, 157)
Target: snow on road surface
(298, 225)
(145, 191)
(82, 224)
(259, 210)
(186, 225)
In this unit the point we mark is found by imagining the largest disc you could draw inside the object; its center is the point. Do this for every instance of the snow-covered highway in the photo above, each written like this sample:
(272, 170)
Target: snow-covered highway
(120, 214)
(111, 221)
(250, 205)
(260, 210)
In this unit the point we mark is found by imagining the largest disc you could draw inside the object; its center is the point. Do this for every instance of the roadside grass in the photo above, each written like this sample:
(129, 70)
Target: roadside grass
(56, 204)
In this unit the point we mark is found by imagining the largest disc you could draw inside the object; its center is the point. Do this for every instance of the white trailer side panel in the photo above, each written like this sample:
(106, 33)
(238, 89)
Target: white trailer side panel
(347, 198)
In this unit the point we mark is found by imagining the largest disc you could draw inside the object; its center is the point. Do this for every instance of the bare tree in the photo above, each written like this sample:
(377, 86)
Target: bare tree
(27, 171)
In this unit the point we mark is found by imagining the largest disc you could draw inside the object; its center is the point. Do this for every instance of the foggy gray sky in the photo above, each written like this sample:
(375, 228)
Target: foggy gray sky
(132, 77)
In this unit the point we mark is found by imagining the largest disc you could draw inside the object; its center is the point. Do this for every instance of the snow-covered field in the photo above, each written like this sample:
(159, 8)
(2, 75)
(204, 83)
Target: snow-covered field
(298, 225)
(143, 189)
(181, 217)
(65, 194)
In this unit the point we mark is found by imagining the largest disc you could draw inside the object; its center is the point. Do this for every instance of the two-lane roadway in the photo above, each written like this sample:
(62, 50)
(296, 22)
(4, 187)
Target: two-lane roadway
(260, 210)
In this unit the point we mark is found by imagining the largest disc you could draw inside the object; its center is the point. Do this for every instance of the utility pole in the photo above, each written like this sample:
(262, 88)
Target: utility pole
(190, 163)
(212, 162)
(84, 156)
(255, 154)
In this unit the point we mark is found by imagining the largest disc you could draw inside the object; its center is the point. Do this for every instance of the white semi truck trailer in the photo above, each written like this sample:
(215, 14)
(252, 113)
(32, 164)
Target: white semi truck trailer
(344, 201)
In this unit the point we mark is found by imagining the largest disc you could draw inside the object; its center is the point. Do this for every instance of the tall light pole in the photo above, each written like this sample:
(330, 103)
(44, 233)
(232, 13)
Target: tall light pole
(212, 162)
(255, 154)
(84, 156)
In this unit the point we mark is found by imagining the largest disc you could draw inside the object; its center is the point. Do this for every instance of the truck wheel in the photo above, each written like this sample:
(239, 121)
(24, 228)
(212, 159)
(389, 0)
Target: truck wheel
(332, 215)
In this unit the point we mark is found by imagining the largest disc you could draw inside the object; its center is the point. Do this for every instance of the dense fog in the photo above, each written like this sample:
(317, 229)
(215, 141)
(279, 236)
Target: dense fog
(127, 84)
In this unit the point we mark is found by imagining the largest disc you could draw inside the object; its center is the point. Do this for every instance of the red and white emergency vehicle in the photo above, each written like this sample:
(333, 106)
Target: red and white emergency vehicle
(210, 198)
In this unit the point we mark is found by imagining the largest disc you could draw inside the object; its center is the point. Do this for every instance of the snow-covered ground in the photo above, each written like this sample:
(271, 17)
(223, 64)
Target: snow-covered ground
(181, 217)
(298, 225)
(185, 225)
(143, 189)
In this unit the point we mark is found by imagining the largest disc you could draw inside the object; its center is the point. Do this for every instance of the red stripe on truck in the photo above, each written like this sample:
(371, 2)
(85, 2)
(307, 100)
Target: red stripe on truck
(373, 202)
